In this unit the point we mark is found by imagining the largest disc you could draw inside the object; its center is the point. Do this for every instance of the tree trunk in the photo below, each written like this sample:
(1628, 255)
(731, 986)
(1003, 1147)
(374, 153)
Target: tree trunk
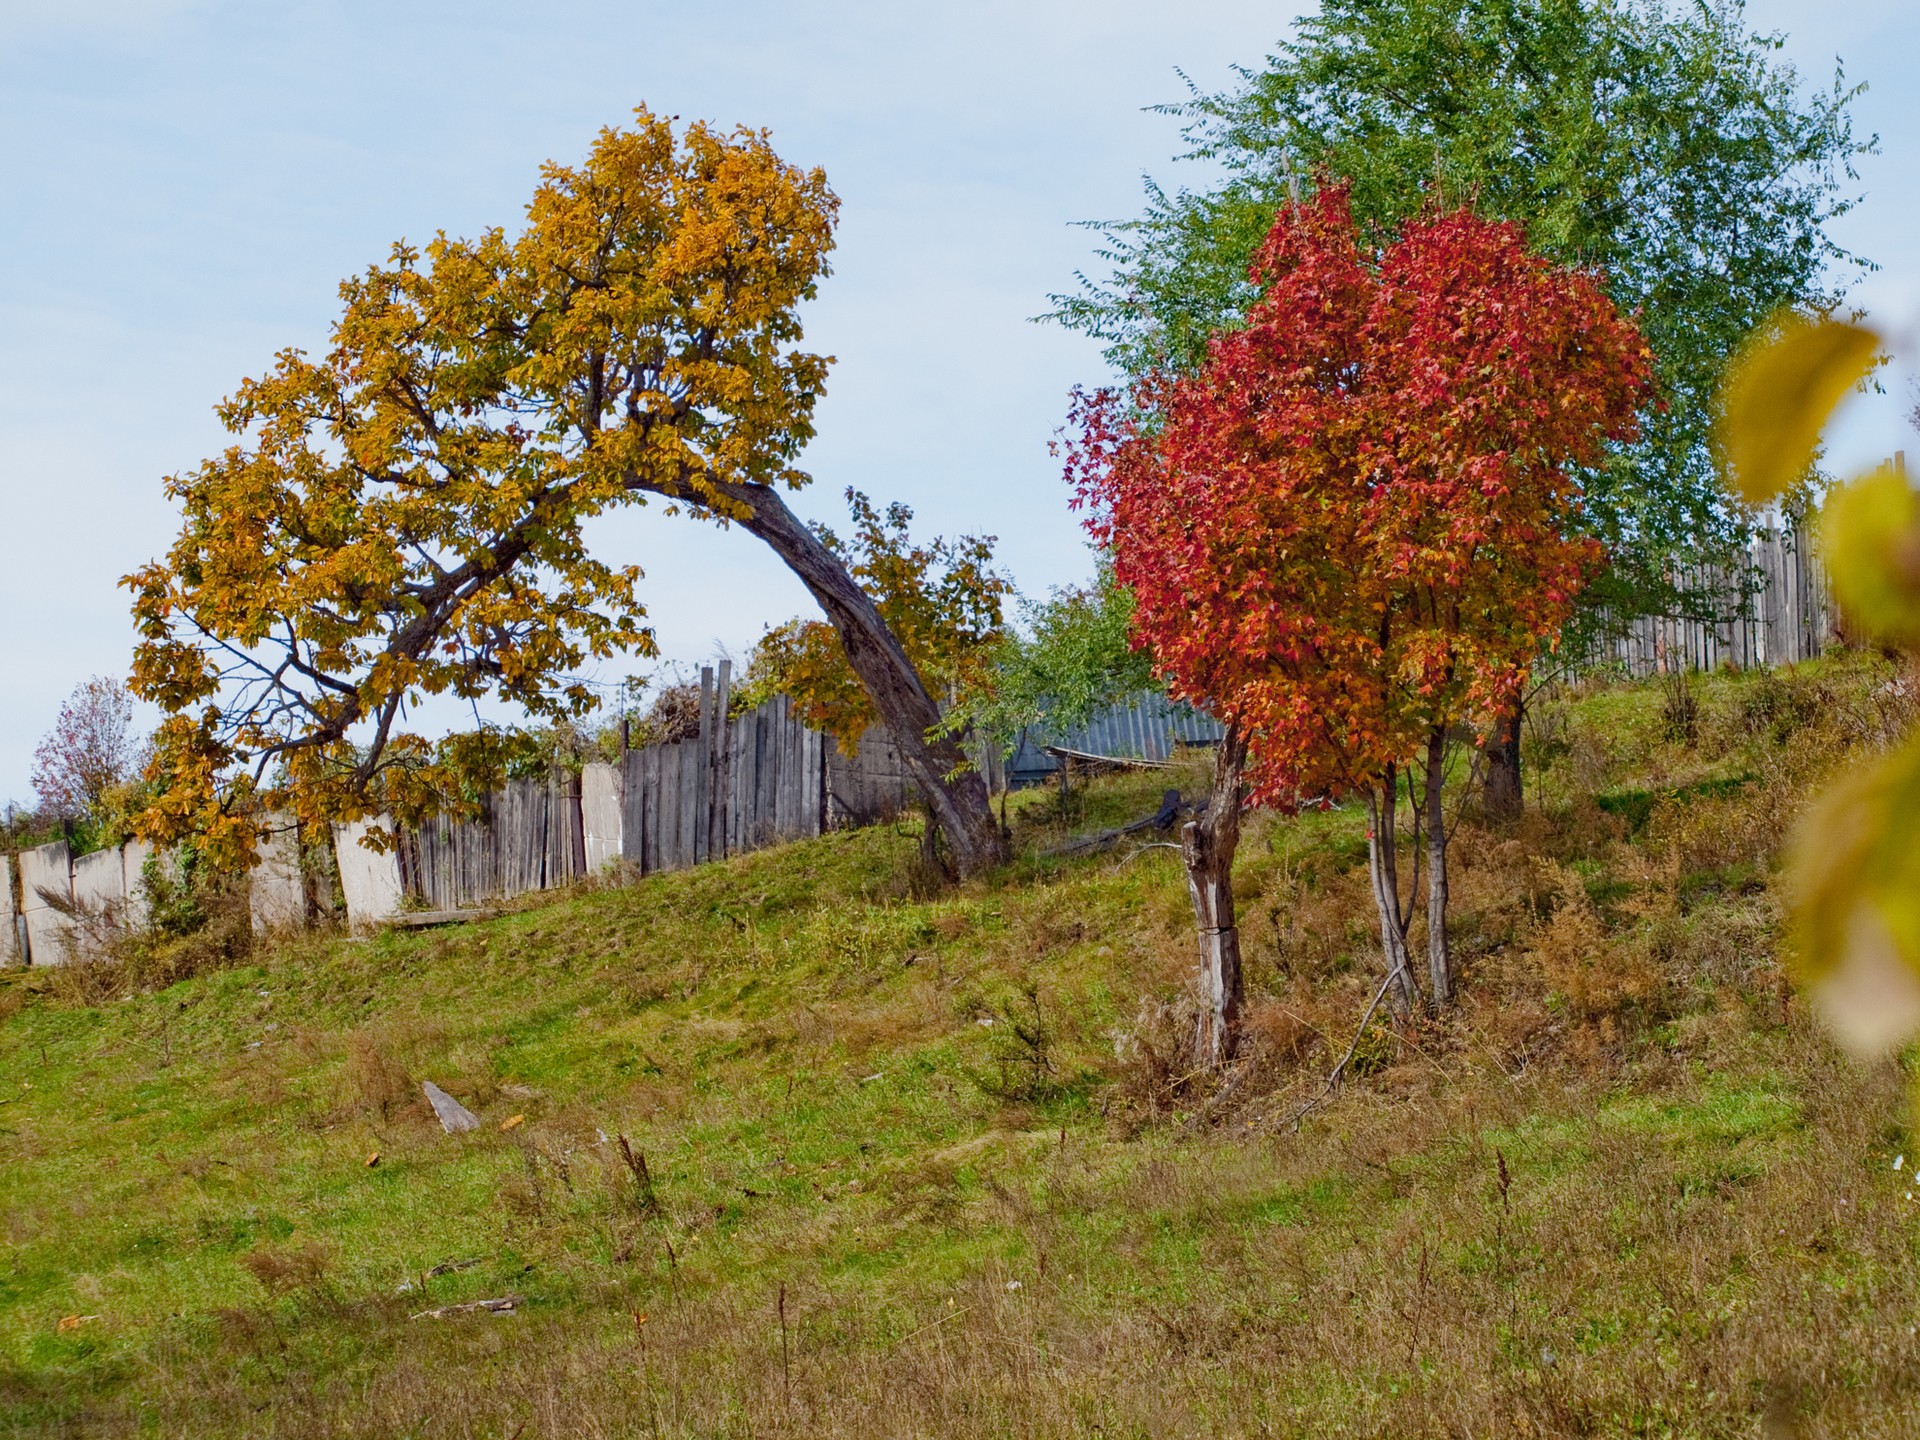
(955, 791)
(1207, 845)
(1439, 957)
(1383, 869)
(1504, 796)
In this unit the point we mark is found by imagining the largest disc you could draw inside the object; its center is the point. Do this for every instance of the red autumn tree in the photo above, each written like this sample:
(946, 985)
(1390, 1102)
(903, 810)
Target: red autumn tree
(1347, 535)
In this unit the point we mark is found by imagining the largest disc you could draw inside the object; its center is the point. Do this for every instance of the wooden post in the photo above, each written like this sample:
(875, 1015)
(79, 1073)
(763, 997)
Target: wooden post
(719, 780)
(1207, 846)
(702, 788)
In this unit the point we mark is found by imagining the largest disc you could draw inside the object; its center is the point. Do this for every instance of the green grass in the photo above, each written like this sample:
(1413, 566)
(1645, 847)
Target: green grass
(973, 1233)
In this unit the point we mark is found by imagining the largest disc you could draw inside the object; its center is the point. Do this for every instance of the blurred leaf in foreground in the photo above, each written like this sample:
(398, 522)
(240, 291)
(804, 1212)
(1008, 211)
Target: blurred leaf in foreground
(1780, 393)
(1870, 531)
(1856, 862)
(1857, 914)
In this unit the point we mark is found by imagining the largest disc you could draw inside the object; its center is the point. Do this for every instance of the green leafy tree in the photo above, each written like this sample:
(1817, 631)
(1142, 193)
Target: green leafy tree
(1075, 658)
(1669, 148)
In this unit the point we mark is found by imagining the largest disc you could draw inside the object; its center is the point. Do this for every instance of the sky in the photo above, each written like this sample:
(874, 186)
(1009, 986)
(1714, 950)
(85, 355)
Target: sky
(183, 185)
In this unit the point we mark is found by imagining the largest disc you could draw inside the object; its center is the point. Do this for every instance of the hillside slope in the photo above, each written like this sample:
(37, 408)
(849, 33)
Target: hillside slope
(912, 1165)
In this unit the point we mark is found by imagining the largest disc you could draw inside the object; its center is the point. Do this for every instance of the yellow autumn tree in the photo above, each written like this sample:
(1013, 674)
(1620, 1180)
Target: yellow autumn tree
(402, 516)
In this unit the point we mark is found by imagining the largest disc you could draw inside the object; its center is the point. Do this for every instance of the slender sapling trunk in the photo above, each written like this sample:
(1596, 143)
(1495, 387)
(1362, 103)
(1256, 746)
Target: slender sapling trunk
(1384, 871)
(1439, 957)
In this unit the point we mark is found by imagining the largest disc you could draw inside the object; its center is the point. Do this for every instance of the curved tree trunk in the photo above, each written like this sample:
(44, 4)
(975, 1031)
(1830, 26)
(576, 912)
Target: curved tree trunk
(1207, 845)
(956, 793)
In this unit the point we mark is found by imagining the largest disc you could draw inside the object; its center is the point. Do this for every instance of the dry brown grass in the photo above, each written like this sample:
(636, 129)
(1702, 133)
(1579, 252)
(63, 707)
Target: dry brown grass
(1601, 981)
(376, 1079)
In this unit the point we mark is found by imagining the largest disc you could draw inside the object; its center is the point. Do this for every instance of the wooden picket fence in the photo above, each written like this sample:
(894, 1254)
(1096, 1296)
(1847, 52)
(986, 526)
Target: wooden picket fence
(529, 837)
(759, 779)
(1779, 613)
(756, 781)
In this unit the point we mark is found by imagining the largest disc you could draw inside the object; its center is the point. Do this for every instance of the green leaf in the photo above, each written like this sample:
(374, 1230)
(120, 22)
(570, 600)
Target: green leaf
(1781, 390)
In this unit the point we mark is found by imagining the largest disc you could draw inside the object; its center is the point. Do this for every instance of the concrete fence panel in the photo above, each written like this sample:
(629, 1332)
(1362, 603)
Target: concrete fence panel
(276, 891)
(369, 879)
(603, 814)
(46, 882)
(133, 871)
(99, 884)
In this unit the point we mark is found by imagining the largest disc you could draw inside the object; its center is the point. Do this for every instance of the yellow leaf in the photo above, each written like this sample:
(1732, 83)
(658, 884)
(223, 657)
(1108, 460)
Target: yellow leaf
(1856, 875)
(1870, 533)
(1871, 998)
(511, 1121)
(1779, 393)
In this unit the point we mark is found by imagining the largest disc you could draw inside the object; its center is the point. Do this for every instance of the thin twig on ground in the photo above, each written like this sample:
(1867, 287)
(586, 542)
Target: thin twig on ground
(501, 1305)
(1339, 1070)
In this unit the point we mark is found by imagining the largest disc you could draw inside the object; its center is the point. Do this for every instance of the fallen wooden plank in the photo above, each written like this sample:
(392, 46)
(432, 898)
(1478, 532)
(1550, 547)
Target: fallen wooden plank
(425, 919)
(1132, 762)
(1170, 809)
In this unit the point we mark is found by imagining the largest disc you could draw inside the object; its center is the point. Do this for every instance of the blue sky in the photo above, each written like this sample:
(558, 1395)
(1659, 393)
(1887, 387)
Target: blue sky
(185, 183)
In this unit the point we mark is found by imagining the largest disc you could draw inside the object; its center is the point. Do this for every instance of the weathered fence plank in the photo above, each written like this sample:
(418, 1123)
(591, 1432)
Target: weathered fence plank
(723, 838)
(12, 942)
(702, 780)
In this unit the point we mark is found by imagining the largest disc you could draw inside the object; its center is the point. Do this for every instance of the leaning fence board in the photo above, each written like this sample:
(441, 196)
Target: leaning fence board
(669, 839)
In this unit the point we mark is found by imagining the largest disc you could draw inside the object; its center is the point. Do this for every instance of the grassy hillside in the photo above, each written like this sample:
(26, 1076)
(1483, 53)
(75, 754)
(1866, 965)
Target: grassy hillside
(935, 1165)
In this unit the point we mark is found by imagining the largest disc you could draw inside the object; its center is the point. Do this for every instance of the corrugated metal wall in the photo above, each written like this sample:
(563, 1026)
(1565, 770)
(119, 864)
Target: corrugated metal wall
(1146, 727)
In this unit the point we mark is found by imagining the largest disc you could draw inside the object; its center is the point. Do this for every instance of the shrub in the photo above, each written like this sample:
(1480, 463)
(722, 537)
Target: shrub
(1597, 979)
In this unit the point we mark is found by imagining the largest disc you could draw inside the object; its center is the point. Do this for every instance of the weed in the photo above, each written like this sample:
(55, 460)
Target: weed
(375, 1077)
(1679, 707)
(283, 1270)
(1020, 1049)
